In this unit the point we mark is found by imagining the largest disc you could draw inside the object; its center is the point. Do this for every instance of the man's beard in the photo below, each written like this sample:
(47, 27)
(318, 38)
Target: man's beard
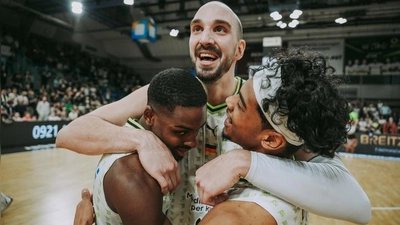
(206, 75)
(209, 77)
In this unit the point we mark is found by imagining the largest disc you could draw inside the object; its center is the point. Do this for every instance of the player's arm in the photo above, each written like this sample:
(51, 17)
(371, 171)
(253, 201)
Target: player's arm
(320, 186)
(317, 187)
(102, 131)
(134, 194)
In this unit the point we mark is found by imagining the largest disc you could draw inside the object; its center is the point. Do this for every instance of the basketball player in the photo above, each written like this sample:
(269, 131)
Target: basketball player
(216, 44)
(124, 193)
(269, 115)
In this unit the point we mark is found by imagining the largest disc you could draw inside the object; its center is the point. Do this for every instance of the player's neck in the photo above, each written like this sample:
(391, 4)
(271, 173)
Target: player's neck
(218, 91)
(142, 121)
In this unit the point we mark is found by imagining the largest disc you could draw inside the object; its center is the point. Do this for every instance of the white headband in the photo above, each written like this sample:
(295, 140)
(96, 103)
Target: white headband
(265, 85)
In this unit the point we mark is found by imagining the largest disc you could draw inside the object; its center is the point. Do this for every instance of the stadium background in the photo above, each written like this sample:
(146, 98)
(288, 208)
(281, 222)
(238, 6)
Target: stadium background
(95, 53)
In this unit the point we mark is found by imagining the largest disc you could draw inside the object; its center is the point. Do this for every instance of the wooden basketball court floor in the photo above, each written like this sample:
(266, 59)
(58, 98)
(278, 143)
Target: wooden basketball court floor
(46, 187)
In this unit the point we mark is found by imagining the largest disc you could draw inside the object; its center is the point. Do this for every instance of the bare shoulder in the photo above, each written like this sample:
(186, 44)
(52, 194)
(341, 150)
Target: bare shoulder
(238, 212)
(132, 193)
(128, 172)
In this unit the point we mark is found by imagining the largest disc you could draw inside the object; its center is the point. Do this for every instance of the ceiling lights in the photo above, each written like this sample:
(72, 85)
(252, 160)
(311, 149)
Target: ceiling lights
(76, 7)
(340, 20)
(129, 2)
(282, 18)
(174, 32)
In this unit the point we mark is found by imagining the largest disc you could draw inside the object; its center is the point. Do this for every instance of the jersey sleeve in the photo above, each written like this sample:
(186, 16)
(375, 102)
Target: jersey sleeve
(322, 186)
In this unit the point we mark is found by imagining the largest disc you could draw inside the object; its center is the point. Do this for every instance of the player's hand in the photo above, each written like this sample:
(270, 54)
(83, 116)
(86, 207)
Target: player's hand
(158, 161)
(84, 214)
(221, 173)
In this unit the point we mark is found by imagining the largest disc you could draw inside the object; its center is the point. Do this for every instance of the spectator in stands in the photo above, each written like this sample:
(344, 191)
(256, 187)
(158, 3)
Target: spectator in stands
(389, 127)
(348, 69)
(388, 67)
(362, 125)
(375, 67)
(8, 106)
(53, 117)
(5, 117)
(74, 113)
(28, 117)
(381, 121)
(16, 117)
(23, 97)
(32, 100)
(375, 127)
(385, 111)
(20, 107)
(364, 69)
(373, 111)
(4, 96)
(43, 109)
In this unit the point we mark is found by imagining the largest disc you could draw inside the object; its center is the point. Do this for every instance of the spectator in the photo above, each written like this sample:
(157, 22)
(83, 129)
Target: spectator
(390, 127)
(12, 95)
(16, 117)
(376, 127)
(8, 106)
(20, 107)
(4, 96)
(53, 117)
(27, 117)
(43, 109)
(32, 100)
(74, 113)
(362, 125)
(5, 117)
(381, 121)
(24, 97)
(385, 111)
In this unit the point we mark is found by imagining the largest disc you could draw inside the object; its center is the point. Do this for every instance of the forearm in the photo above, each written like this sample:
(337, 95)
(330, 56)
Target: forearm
(91, 135)
(317, 187)
(102, 131)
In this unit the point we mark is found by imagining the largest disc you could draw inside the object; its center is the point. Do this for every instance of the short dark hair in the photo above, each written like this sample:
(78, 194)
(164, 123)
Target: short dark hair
(310, 98)
(176, 87)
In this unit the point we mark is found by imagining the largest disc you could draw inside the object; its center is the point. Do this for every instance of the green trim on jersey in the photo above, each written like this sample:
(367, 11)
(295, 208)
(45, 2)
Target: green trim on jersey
(217, 108)
(134, 123)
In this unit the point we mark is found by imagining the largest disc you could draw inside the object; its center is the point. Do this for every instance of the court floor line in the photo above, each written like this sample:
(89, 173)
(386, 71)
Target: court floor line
(355, 155)
(385, 208)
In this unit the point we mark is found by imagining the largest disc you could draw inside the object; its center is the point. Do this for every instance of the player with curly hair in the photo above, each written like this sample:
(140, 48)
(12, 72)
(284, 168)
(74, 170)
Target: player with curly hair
(292, 103)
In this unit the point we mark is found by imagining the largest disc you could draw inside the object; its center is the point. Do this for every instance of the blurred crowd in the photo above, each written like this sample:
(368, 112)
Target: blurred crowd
(46, 80)
(374, 118)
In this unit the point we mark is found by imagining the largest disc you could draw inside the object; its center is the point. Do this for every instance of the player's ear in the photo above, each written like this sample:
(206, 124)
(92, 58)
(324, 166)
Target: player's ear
(149, 115)
(240, 49)
(273, 141)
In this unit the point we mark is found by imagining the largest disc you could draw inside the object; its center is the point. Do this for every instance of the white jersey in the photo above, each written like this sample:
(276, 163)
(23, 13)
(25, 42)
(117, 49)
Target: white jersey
(104, 215)
(183, 207)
